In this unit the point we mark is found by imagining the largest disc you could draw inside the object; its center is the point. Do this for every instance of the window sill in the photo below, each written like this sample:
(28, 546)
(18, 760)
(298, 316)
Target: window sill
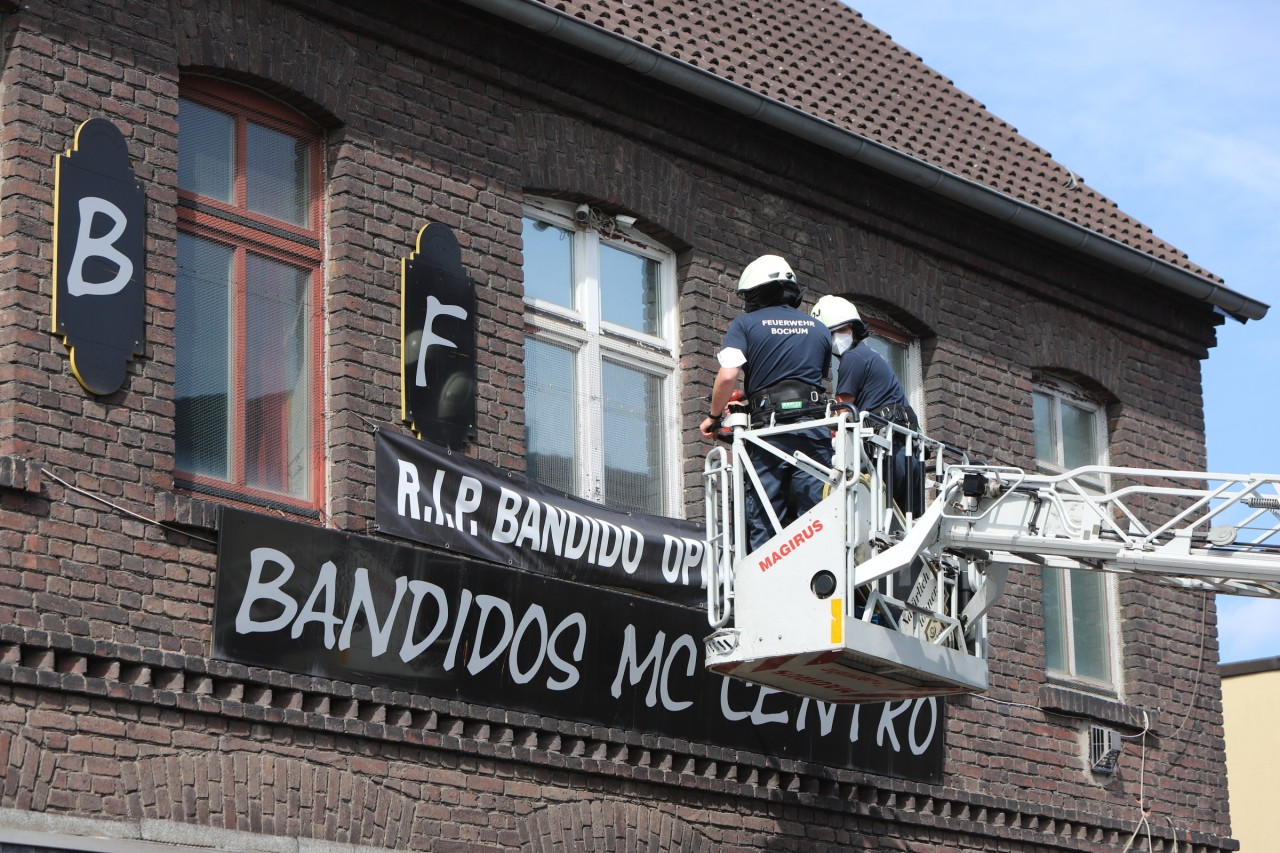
(1078, 703)
(188, 511)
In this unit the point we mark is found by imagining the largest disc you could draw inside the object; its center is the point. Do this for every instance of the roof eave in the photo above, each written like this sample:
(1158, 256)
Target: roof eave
(700, 83)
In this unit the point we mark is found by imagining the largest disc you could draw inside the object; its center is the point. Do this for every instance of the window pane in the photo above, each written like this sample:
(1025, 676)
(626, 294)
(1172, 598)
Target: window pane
(629, 290)
(206, 151)
(633, 446)
(277, 170)
(202, 388)
(1046, 431)
(548, 263)
(277, 378)
(1055, 626)
(1089, 624)
(1079, 434)
(549, 415)
(894, 353)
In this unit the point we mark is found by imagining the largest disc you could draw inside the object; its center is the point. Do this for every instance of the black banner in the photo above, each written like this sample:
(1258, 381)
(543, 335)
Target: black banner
(350, 608)
(429, 495)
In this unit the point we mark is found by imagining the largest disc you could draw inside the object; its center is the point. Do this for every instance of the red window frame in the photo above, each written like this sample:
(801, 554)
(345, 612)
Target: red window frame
(889, 331)
(243, 230)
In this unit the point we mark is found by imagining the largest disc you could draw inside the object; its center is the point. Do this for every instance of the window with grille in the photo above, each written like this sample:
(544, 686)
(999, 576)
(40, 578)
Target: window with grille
(247, 326)
(1079, 606)
(601, 415)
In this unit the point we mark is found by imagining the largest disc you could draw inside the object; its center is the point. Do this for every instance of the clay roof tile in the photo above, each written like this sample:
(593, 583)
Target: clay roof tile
(823, 58)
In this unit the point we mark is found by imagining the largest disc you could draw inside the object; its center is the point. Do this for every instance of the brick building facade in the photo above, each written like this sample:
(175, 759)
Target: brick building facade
(122, 730)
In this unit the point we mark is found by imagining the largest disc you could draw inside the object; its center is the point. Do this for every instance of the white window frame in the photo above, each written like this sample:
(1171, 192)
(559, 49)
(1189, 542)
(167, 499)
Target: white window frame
(1058, 391)
(594, 341)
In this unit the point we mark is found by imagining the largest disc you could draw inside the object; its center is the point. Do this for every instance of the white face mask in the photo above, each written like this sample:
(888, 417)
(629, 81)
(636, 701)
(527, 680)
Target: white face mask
(841, 342)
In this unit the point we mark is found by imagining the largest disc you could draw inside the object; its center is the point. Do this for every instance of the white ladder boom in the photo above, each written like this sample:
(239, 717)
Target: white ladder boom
(1216, 532)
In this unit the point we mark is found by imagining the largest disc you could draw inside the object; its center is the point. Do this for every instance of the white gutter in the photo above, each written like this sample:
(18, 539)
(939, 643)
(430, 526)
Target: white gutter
(695, 81)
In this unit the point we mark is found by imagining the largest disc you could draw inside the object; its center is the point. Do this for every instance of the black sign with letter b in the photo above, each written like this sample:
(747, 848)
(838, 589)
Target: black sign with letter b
(99, 251)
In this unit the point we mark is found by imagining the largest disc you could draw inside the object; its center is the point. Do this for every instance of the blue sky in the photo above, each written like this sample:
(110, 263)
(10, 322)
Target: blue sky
(1172, 109)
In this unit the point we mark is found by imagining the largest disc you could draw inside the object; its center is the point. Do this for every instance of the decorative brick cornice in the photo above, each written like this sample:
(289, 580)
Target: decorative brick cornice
(79, 665)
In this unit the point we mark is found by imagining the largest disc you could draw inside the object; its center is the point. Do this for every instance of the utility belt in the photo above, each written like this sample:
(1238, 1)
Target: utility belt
(896, 414)
(786, 402)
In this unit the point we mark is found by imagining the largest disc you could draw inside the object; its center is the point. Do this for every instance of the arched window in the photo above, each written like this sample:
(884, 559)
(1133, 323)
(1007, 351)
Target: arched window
(1080, 607)
(601, 414)
(247, 329)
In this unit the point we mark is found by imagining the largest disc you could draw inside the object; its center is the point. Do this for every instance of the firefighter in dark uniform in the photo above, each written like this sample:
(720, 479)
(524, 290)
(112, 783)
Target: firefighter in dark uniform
(865, 380)
(782, 356)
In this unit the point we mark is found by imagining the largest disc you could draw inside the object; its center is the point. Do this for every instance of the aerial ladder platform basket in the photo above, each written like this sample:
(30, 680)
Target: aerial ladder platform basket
(857, 601)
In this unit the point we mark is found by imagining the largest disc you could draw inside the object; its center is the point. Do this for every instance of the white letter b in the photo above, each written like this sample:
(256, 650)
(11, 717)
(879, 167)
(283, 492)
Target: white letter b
(100, 247)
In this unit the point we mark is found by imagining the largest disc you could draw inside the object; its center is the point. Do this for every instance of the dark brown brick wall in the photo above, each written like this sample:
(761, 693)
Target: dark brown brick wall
(109, 706)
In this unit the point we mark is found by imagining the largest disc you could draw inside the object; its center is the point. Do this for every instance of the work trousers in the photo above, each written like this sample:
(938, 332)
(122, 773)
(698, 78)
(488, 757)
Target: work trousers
(906, 479)
(789, 490)
(906, 475)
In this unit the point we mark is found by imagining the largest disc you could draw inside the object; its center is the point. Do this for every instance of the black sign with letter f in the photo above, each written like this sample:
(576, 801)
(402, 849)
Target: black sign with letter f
(438, 344)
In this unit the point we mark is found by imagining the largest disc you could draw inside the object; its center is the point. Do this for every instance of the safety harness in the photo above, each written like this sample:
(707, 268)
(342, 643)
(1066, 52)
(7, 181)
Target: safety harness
(786, 402)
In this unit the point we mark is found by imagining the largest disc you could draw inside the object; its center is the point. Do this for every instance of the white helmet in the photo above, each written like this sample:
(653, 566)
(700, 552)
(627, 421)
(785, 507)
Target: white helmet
(835, 311)
(764, 270)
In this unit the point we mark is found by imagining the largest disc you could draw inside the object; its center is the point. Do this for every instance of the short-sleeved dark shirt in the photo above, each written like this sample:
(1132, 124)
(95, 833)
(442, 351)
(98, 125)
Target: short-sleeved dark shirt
(867, 377)
(780, 343)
